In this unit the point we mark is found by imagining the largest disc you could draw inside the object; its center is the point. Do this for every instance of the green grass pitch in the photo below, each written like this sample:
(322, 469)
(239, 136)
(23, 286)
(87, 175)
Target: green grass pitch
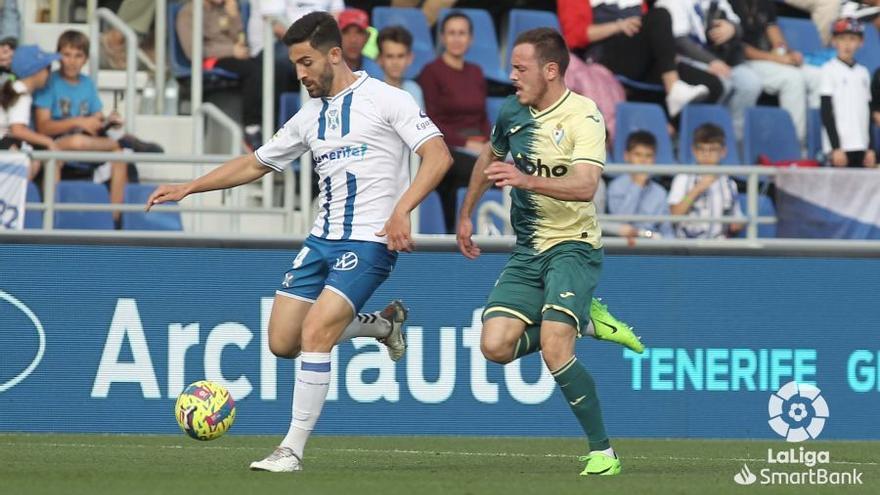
(146, 464)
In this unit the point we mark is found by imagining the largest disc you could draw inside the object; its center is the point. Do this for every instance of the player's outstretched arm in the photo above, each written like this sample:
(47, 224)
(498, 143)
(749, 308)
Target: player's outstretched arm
(477, 186)
(235, 172)
(436, 161)
(578, 185)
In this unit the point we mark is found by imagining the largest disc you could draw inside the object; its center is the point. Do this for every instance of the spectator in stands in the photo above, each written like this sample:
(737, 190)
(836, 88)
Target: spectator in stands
(824, 12)
(705, 196)
(708, 34)
(7, 51)
(353, 23)
(636, 43)
(637, 194)
(455, 99)
(225, 48)
(782, 71)
(69, 110)
(139, 16)
(846, 100)
(283, 13)
(30, 71)
(10, 20)
(395, 56)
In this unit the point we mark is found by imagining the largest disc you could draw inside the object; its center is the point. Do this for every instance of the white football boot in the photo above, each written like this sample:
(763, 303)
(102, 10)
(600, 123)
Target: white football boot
(283, 460)
(396, 314)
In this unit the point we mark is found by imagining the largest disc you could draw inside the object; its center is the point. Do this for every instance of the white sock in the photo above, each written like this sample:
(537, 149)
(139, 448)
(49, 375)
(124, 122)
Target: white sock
(609, 452)
(366, 325)
(309, 393)
(590, 330)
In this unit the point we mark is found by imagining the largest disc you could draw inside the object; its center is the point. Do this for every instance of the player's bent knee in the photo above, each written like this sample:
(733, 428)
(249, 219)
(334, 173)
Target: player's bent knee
(283, 349)
(317, 339)
(497, 350)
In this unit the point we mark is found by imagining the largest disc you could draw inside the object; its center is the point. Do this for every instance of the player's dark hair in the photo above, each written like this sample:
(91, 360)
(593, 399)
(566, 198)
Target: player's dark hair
(457, 14)
(395, 34)
(709, 133)
(318, 28)
(641, 138)
(549, 46)
(73, 39)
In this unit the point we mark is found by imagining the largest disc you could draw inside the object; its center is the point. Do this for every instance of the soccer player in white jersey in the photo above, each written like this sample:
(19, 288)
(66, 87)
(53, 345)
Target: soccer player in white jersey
(359, 131)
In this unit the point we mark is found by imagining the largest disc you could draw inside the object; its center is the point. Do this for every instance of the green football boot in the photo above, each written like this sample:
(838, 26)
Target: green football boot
(611, 329)
(600, 464)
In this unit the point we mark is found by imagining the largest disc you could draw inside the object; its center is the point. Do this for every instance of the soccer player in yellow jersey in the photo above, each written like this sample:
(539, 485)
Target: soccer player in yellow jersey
(544, 297)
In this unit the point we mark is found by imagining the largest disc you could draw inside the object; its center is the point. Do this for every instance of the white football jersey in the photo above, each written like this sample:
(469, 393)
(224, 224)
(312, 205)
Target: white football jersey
(360, 141)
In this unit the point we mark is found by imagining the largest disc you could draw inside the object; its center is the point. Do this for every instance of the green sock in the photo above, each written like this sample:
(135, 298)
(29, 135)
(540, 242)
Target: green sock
(579, 390)
(529, 342)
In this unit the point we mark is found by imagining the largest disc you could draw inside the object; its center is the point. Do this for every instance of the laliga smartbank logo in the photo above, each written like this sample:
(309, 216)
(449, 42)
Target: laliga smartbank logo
(798, 412)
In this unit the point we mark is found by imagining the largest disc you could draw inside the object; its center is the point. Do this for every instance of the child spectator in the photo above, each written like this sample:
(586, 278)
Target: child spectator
(846, 100)
(637, 194)
(224, 47)
(31, 68)
(353, 24)
(68, 109)
(705, 196)
(395, 56)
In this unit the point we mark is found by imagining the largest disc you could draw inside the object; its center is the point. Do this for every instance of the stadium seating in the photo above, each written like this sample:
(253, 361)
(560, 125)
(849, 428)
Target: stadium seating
(414, 21)
(697, 114)
(800, 34)
(765, 209)
(493, 106)
(33, 219)
(519, 20)
(643, 116)
(180, 64)
(814, 133)
(769, 131)
(431, 215)
(138, 194)
(869, 54)
(288, 105)
(82, 192)
(484, 48)
(493, 194)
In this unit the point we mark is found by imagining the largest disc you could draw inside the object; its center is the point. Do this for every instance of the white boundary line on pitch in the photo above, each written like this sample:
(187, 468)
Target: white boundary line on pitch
(410, 452)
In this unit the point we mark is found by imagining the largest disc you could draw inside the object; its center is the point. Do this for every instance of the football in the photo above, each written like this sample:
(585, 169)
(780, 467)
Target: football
(205, 410)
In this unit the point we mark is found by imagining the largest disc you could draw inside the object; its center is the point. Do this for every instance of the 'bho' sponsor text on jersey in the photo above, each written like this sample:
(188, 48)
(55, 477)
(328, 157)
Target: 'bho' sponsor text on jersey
(360, 141)
(570, 133)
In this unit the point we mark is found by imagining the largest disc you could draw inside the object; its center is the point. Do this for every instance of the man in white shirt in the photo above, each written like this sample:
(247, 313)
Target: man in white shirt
(359, 144)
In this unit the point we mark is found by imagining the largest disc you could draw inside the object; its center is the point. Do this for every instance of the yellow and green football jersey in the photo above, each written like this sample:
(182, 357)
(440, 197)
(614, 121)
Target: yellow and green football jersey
(571, 133)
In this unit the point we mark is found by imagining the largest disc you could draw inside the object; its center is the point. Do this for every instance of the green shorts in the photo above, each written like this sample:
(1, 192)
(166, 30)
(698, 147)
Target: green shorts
(556, 285)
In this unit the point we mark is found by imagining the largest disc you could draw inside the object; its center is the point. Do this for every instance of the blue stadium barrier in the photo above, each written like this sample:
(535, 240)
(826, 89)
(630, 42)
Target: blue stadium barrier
(82, 192)
(723, 334)
(766, 208)
(414, 21)
(633, 116)
(769, 131)
(695, 115)
(484, 50)
(494, 194)
(431, 215)
(137, 194)
(288, 105)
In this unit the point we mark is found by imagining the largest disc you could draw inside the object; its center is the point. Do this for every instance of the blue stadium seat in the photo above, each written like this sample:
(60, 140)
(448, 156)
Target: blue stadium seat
(431, 215)
(769, 131)
(493, 194)
(137, 194)
(649, 117)
(519, 20)
(288, 105)
(869, 54)
(695, 115)
(179, 62)
(33, 219)
(484, 48)
(414, 20)
(814, 133)
(82, 192)
(800, 34)
(765, 209)
(493, 106)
